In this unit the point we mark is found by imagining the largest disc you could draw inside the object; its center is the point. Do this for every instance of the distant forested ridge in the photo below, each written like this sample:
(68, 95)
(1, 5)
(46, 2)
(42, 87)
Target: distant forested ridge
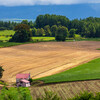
(47, 25)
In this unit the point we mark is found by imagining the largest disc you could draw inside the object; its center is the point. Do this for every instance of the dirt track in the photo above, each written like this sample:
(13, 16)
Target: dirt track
(45, 58)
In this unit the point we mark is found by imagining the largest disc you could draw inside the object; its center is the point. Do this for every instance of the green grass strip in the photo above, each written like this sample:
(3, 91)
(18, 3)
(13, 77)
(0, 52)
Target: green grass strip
(8, 44)
(87, 71)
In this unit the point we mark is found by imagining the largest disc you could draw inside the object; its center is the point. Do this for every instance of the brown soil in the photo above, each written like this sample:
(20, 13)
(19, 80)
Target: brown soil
(45, 58)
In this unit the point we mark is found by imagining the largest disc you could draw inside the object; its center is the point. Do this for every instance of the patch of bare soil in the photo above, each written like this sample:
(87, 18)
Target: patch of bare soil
(45, 58)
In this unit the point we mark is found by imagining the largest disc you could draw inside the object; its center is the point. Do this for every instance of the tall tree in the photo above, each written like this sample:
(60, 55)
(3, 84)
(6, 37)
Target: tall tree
(1, 71)
(40, 32)
(47, 30)
(22, 33)
(43, 20)
(53, 30)
(61, 33)
(24, 22)
(34, 31)
(72, 33)
(92, 30)
(97, 34)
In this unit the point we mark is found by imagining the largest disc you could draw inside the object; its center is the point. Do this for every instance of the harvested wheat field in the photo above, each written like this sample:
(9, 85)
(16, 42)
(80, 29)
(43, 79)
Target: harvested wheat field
(45, 58)
(67, 90)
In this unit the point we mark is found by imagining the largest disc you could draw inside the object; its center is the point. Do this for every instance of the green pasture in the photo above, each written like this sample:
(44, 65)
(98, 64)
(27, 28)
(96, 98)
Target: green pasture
(8, 44)
(3, 38)
(7, 33)
(38, 39)
(82, 39)
(4, 41)
(91, 39)
(98, 49)
(87, 71)
(43, 38)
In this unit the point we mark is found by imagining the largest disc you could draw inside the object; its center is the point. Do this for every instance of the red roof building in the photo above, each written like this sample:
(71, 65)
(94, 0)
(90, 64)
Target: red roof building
(22, 76)
(22, 80)
(25, 81)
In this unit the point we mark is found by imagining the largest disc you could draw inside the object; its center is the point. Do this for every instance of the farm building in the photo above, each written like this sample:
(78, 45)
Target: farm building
(22, 80)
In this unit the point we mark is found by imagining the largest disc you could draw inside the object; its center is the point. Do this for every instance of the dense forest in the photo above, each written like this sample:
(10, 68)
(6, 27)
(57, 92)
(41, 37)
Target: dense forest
(89, 27)
(7, 25)
(47, 25)
(10, 25)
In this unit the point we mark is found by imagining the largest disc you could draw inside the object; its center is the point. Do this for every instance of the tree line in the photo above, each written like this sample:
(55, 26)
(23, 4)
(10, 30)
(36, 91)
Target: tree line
(47, 25)
(51, 31)
(7, 25)
(10, 25)
(89, 27)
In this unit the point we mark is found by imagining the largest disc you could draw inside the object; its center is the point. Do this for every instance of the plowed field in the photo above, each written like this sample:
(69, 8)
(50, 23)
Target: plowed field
(45, 58)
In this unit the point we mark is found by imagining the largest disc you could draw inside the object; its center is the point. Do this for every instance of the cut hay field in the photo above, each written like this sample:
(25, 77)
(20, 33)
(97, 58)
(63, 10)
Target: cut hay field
(66, 90)
(46, 58)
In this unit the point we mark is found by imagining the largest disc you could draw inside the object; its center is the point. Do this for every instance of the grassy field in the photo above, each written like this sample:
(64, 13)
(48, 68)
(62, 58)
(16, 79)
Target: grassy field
(82, 39)
(4, 41)
(8, 44)
(7, 33)
(88, 71)
(88, 39)
(98, 49)
(46, 39)
(3, 38)
(43, 38)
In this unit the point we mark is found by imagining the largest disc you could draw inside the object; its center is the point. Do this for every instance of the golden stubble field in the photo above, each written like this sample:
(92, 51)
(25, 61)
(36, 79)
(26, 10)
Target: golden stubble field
(45, 58)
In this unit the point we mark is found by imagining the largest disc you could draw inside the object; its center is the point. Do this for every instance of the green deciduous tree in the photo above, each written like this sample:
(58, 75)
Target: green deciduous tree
(72, 33)
(43, 20)
(40, 32)
(61, 33)
(7, 25)
(97, 34)
(1, 71)
(22, 33)
(47, 30)
(53, 30)
(34, 31)
(24, 22)
(92, 30)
